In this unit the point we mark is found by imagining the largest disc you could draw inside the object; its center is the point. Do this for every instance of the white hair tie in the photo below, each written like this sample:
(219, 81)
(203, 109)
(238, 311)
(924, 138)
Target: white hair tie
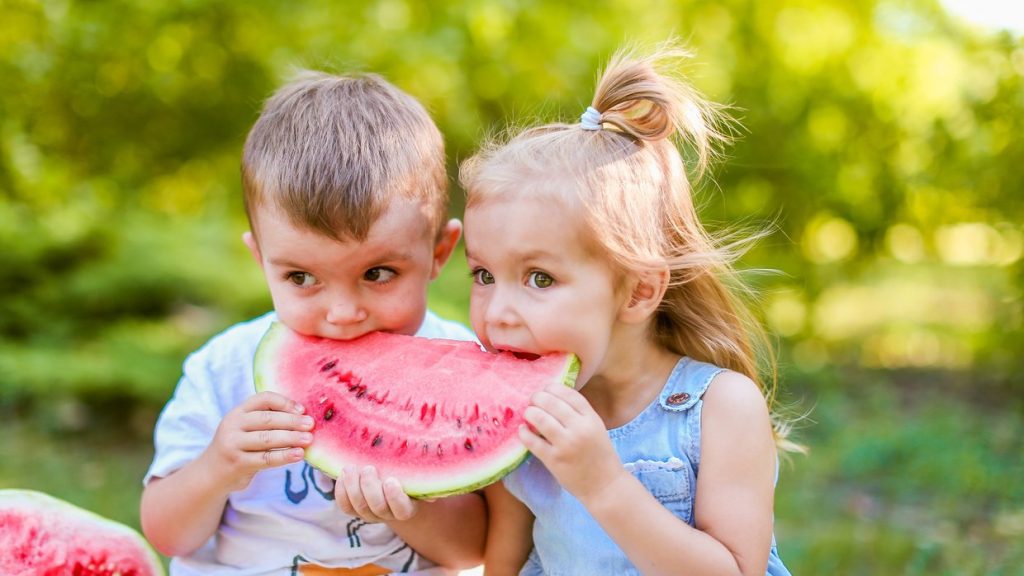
(591, 119)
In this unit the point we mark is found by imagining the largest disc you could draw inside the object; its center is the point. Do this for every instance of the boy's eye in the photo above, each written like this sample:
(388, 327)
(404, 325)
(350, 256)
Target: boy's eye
(302, 279)
(482, 277)
(379, 275)
(540, 280)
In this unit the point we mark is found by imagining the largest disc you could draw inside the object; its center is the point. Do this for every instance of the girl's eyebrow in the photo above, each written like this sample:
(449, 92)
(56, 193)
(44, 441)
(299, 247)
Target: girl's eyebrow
(528, 256)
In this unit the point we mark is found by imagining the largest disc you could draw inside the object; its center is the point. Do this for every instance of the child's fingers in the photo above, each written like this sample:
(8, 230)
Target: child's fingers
(537, 445)
(571, 397)
(356, 498)
(544, 424)
(341, 496)
(274, 439)
(373, 492)
(273, 458)
(273, 420)
(271, 401)
(402, 507)
(555, 406)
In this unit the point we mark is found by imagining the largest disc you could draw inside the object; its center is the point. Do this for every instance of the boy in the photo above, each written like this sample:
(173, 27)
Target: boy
(346, 193)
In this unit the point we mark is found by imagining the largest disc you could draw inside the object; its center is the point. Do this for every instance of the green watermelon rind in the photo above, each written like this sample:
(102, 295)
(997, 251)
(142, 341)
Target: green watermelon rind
(263, 362)
(34, 501)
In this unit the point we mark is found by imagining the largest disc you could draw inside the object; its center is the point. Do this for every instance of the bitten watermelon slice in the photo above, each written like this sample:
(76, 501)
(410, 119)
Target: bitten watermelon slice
(441, 416)
(44, 536)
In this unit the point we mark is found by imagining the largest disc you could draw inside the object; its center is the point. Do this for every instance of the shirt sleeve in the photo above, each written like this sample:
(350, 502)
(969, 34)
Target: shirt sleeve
(188, 421)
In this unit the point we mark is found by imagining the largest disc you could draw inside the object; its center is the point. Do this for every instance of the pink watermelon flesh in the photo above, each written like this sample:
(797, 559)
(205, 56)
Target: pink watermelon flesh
(442, 416)
(43, 536)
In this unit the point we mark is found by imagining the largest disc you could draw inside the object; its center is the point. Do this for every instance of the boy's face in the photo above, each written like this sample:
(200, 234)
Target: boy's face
(342, 290)
(536, 288)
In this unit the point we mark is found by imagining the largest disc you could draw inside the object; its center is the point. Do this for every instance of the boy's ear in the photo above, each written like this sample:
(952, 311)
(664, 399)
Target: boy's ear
(446, 242)
(645, 294)
(254, 248)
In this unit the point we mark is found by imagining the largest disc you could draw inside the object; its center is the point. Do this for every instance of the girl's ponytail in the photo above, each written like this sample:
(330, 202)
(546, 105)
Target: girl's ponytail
(641, 97)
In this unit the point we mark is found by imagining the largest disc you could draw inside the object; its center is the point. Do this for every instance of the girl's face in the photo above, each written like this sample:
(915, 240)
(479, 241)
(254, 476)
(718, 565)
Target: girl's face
(536, 288)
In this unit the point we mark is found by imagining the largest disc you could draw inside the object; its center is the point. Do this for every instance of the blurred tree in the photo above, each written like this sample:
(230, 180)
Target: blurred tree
(880, 136)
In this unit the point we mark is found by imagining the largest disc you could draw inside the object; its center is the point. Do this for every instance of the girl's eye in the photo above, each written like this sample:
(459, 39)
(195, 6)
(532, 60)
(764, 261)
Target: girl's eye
(540, 280)
(483, 277)
(301, 279)
(379, 275)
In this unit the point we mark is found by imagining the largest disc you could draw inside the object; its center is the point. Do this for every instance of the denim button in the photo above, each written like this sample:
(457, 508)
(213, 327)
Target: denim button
(677, 399)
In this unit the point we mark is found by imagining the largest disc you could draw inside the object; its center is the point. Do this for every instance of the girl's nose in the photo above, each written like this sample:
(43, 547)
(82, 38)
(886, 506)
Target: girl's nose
(500, 311)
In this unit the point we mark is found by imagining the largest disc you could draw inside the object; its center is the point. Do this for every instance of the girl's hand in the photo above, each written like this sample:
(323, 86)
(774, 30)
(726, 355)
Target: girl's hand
(571, 440)
(265, 431)
(362, 493)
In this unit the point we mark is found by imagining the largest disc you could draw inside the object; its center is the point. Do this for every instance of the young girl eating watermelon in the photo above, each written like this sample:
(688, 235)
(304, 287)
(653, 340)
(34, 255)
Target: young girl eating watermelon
(584, 238)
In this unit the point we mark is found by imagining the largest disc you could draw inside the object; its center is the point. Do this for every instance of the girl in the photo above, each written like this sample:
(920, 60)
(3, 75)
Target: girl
(584, 238)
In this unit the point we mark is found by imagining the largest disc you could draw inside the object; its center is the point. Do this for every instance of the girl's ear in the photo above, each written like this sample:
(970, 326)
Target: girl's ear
(645, 293)
(254, 248)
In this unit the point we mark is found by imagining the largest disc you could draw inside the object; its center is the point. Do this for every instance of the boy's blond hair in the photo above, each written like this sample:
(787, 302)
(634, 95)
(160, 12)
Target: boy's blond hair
(331, 152)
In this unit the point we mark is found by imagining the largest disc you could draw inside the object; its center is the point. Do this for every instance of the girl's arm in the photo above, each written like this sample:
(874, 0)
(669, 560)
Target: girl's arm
(509, 532)
(734, 493)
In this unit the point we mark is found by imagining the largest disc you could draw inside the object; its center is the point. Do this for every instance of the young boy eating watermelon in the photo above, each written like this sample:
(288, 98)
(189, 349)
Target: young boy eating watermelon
(346, 193)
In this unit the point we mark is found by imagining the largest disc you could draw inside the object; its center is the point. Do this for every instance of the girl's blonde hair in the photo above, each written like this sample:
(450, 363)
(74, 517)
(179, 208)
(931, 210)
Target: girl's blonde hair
(630, 181)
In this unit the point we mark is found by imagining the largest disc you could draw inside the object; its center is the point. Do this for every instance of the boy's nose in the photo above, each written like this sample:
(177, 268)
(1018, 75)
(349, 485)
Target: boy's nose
(345, 311)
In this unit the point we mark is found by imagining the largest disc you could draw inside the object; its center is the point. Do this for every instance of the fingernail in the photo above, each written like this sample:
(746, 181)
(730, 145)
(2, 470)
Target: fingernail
(307, 422)
(306, 437)
(298, 408)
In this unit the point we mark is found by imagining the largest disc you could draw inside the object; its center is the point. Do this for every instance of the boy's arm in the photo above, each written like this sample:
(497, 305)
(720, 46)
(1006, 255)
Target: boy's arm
(181, 511)
(449, 531)
(509, 532)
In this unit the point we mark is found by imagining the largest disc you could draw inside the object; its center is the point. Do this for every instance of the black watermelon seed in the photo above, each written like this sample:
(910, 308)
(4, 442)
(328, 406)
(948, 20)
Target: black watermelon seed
(329, 365)
(329, 413)
(469, 445)
(377, 440)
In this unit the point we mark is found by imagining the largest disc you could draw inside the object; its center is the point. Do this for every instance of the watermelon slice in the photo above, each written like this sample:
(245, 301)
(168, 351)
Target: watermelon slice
(43, 536)
(442, 416)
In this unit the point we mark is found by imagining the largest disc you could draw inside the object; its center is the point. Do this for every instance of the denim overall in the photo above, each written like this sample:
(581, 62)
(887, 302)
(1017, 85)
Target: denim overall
(661, 447)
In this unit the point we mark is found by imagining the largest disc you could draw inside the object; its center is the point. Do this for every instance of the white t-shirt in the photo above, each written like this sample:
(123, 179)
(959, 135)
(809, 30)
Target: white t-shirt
(286, 518)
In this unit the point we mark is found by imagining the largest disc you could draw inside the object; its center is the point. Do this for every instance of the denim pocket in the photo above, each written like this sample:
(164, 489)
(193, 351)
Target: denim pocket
(669, 481)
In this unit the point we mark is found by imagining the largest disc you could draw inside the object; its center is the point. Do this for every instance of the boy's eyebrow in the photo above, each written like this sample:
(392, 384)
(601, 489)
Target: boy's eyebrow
(388, 256)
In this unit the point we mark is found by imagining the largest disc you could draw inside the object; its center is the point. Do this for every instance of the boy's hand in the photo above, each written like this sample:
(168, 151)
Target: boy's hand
(265, 431)
(571, 440)
(362, 493)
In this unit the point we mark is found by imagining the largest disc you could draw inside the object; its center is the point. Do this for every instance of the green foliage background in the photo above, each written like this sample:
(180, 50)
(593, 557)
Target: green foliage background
(881, 139)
